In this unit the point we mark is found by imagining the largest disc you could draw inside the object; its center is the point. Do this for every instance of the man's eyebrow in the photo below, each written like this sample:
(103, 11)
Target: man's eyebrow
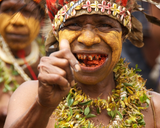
(72, 20)
(103, 19)
(22, 7)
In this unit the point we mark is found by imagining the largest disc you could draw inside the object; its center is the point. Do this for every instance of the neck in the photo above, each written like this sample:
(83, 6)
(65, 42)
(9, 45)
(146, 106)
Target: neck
(102, 90)
(27, 51)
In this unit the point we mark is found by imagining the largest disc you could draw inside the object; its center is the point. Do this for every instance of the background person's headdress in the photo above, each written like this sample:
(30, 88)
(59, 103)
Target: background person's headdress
(61, 10)
(41, 3)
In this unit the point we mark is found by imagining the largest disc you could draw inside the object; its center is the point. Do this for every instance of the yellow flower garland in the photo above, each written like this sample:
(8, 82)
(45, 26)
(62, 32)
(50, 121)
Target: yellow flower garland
(123, 106)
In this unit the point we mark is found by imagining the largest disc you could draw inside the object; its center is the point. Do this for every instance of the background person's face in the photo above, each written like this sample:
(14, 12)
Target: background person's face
(155, 30)
(19, 29)
(94, 35)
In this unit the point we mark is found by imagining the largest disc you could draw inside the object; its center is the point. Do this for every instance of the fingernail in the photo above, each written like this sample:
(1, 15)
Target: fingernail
(72, 83)
(77, 67)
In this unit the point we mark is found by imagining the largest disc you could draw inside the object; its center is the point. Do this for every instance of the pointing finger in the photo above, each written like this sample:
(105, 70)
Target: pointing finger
(64, 45)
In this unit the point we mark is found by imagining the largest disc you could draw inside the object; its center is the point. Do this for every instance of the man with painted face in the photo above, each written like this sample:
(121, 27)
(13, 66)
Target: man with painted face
(85, 84)
(19, 53)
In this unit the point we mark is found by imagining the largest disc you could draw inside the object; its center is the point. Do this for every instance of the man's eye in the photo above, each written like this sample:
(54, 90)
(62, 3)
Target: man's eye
(7, 10)
(26, 13)
(74, 24)
(106, 25)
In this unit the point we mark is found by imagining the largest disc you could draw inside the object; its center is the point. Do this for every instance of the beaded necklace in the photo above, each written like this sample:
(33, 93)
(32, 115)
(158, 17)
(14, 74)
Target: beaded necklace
(8, 74)
(124, 105)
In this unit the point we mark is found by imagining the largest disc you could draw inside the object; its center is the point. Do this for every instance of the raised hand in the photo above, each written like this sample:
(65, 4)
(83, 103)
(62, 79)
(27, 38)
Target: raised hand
(55, 75)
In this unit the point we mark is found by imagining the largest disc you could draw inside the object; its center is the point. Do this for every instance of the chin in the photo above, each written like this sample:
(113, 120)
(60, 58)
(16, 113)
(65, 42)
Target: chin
(17, 46)
(88, 80)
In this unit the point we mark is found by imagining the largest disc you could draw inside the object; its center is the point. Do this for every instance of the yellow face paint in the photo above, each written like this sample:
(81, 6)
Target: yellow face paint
(17, 30)
(114, 40)
(69, 35)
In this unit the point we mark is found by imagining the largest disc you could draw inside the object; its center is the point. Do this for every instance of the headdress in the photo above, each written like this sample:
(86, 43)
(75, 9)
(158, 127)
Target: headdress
(61, 10)
(41, 3)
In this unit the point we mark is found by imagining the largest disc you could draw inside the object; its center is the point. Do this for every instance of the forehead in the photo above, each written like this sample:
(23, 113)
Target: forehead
(94, 18)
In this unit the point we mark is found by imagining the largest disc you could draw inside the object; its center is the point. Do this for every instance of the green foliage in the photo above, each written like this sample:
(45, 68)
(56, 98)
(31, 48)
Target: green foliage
(85, 103)
(86, 111)
(90, 116)
(125, 103)
(137, 69)
(70, 100)
(7, 77)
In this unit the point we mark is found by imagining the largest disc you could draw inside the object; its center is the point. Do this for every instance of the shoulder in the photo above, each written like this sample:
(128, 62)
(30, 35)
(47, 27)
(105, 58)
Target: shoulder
(27, 87)
(21, 100)
(155, 104)
(24, 95)
(155, 97)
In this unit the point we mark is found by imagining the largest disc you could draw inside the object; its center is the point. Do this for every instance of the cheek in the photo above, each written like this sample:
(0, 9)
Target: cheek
(69, 35)
(114, 40)
(4, 21)
(33, 26)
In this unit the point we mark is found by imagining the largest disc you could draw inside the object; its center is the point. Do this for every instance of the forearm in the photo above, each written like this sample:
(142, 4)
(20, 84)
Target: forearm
(36, 116)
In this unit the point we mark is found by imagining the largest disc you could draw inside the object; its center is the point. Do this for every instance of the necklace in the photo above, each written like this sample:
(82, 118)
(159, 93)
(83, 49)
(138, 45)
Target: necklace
(7, 73)
(13, 61)
(123, 106)
(31, 58)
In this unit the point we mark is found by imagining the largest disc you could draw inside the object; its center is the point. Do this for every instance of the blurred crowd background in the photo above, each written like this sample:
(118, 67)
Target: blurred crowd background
(147, 58)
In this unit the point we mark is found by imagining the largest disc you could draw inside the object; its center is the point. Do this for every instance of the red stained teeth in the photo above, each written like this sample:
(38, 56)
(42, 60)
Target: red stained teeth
(90, 56)
(91, 60)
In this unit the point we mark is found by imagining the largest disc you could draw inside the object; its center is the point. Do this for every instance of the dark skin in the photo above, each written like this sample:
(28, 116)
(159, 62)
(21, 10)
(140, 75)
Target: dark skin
(33, 103)
(15, 34)
(151, 50)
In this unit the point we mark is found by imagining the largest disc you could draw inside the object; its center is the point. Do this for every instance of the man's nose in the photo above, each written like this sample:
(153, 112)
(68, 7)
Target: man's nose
(18, 19)
(89, 38)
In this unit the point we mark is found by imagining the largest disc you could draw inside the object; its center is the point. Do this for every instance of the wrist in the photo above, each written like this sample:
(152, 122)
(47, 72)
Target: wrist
(44, 107)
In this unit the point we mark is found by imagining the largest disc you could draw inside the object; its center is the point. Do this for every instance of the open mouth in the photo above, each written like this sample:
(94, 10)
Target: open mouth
(91, 60)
